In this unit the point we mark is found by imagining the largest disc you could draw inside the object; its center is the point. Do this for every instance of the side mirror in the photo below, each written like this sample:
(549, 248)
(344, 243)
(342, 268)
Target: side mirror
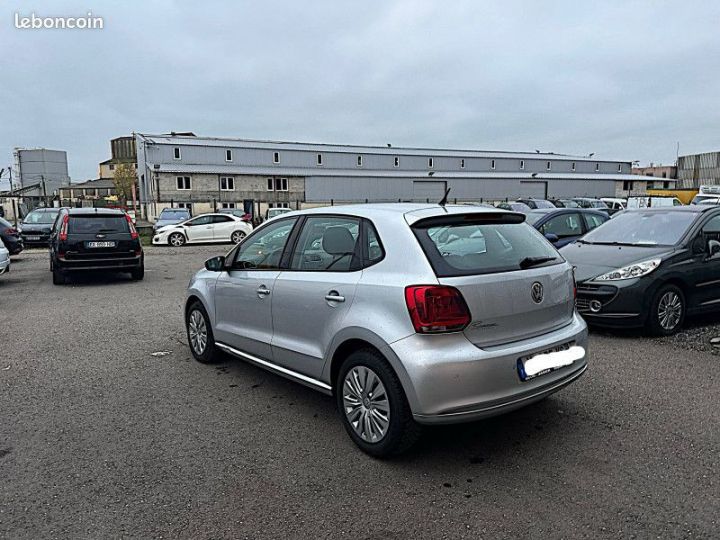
(552, 238)
(713, 248)
(216, 264)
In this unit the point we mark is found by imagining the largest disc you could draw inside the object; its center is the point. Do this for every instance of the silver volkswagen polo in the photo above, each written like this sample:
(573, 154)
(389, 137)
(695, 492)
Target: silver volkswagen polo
(407, 314)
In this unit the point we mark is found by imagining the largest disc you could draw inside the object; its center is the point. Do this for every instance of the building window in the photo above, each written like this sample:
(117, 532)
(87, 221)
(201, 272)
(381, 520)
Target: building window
(627, 185)
(572, 167)
(277, 184)
(666, 185)
(462, 163)
(619, 167)
(359, 161)
(319, 159)
(112, 167)
(276, 157)
(664, 175)
(176, 152)
(183, 182)
(279, 205)
(228, 205)
(597, 167)
(492, 164)
(522, 164)
(430, 163)
(397, 161)
(186, 205)
(548, 165)
(227, 183)
(228, 155)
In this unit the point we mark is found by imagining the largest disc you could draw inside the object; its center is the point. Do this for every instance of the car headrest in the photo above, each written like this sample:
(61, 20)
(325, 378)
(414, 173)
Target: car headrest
(338, 240)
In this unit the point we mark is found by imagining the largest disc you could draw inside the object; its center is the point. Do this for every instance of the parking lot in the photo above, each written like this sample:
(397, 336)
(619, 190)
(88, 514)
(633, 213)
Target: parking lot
(109, 428)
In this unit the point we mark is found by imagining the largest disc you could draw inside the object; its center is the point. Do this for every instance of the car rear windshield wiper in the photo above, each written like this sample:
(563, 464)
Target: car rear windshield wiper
(529, 262)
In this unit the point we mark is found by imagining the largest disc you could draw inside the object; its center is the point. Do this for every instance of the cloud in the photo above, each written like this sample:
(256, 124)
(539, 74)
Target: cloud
(621, 79)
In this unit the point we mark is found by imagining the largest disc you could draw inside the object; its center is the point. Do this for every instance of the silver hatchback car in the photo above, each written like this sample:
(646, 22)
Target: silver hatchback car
(408, 314)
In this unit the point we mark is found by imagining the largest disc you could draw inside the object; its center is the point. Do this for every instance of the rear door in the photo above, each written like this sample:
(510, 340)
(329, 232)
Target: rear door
(515, 284)
(243, 295)
(98, 236)
(312, 298)
(704, 272)
(223, 226)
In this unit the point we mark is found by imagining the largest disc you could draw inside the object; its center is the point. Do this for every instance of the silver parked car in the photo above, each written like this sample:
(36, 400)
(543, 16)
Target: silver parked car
(408, 314)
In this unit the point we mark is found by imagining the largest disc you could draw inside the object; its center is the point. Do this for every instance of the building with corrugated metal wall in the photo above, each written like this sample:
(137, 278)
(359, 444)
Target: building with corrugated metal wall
(699, 169)
(206, 173)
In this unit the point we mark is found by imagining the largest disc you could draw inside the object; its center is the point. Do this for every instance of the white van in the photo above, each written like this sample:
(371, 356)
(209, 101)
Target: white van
(707, 195)
(652, 202)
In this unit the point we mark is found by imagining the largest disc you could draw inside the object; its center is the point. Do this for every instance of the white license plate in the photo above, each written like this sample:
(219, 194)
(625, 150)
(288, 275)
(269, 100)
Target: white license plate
(100, 244)
(32, 238)
(546, 362)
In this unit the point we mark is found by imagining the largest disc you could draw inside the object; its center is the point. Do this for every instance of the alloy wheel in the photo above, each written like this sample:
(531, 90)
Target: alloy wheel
(197, 330)
(176, 239)
(670, 310)
(237, 237)
(365, 404)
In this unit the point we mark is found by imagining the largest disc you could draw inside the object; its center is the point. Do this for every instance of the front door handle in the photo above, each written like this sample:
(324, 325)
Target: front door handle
(263, 291)
(334, 296)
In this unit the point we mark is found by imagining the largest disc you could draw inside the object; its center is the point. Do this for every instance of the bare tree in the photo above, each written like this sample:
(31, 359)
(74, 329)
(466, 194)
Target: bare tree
(124, 180)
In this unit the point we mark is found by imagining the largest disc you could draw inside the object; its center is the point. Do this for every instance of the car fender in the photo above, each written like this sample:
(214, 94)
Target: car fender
(355, 332)
(202, 287)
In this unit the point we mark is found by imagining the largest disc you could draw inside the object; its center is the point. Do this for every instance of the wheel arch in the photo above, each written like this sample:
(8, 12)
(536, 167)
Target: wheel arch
(355, 339)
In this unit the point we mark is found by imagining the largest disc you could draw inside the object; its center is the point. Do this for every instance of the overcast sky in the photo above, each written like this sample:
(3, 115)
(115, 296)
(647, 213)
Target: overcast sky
(625, 80)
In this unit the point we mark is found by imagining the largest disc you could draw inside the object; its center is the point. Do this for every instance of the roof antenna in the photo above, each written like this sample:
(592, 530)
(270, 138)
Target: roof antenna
(443, 201)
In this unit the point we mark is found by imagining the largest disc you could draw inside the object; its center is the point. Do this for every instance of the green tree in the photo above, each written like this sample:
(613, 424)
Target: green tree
(124, 180)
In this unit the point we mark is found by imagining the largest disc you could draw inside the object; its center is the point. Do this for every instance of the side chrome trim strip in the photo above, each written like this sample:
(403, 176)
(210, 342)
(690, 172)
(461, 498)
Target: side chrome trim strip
(299, 377)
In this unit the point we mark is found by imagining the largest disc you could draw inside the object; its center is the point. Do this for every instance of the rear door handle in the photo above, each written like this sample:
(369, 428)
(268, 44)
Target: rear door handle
(334, 296)
(263, 291)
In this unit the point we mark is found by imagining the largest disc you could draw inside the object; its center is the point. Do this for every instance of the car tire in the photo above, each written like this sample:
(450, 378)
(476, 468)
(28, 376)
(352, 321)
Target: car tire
(364, 422)
(197, 323)
(139, 273)
(667, 311)
(237, 236)
(176, 239)
(58, 277)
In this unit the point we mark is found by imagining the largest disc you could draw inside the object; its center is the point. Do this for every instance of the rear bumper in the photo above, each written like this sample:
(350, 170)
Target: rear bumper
(110, 264)
(14, 246)
(450, 380)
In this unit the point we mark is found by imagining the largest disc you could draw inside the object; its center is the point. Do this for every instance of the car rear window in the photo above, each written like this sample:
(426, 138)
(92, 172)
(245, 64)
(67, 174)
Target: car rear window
(97, 224)
(474, 244)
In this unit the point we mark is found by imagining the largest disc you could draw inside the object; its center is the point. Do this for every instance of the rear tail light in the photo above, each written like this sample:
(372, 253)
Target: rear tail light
(436, 308)
(11, 230)
(574, 285)
(64, 228)
(131, 225)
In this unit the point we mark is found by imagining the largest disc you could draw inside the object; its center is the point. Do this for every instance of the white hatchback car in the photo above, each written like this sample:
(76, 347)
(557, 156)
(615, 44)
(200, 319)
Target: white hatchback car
(204, 228)
(4, 259)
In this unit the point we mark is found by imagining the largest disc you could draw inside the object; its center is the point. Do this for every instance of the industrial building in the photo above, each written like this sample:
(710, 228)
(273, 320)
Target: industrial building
(39, 172)
(697, 170)
(204, 173)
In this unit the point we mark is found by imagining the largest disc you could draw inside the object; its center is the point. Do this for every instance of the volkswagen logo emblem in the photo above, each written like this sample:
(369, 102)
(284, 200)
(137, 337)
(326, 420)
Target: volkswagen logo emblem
(536, 292)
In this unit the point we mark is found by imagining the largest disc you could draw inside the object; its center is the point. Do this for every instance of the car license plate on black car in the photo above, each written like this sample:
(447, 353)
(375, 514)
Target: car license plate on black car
(100, 244)
(32, 238)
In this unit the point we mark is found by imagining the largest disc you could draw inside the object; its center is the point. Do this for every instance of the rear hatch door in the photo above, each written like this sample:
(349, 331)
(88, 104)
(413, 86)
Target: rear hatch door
(513, 280)
(98, 236)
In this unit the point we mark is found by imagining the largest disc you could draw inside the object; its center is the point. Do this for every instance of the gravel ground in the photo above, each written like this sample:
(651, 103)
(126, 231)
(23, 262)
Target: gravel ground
(99, 438)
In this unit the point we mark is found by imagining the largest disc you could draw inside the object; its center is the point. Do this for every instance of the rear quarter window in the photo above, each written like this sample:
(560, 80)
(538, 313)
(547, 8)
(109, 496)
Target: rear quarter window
(97, 224)
(482, 244)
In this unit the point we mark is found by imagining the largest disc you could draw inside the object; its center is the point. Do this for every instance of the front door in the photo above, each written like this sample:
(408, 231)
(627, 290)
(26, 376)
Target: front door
(243, 295)
(705, 271)
(199, 229)
(567, 226)
(312, 298)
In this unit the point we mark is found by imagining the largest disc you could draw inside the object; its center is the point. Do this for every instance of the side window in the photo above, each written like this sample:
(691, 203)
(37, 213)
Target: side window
(221, 219)
(374, 249)
(563, 225)
(328, 244)
(264, 249)
(593, 221)
(711, 230)
(202, 220)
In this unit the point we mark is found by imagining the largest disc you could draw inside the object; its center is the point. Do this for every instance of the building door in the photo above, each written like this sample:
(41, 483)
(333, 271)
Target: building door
(533, 189)
(433, 191)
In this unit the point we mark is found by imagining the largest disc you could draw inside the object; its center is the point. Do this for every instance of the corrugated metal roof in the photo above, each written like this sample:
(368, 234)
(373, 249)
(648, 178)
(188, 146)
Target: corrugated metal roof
(358, 149)
(316, 172)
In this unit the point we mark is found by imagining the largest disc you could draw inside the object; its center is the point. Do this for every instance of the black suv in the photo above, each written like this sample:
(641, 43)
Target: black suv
(94, 239)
